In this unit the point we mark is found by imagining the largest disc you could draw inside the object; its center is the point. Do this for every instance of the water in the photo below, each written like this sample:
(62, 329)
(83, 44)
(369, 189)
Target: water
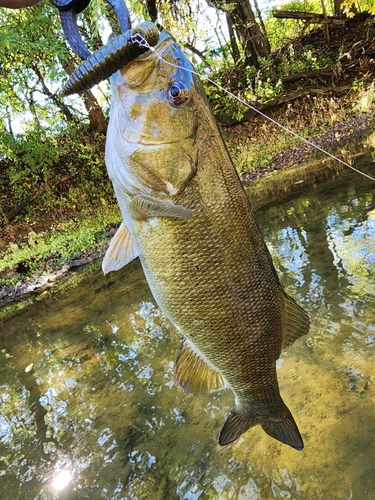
(90, 408)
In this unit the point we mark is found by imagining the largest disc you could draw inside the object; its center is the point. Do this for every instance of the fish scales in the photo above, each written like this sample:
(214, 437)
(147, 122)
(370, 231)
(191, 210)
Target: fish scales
(189, 220)
(223, 263)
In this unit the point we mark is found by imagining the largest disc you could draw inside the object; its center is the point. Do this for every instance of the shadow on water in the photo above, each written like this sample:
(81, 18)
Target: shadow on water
(90, 407)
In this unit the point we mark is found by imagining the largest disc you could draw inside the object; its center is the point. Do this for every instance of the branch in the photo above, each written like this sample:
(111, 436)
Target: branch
(328, 71)
(228, 120)
(59, 103)
(198, 53)
(312, 17)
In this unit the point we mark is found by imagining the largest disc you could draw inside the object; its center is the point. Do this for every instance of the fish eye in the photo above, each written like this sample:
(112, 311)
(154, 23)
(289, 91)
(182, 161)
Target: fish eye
(177, 92)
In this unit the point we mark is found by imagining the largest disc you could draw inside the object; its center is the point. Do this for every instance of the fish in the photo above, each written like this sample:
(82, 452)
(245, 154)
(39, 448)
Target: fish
(188, 219)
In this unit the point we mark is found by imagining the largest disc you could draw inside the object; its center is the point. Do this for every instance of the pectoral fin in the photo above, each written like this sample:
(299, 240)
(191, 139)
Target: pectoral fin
(120, 252)
(194, 375)
(296, 323)
(144, 207)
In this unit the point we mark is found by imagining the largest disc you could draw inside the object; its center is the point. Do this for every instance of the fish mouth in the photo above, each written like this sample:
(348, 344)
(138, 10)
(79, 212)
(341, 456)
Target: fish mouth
(154, 143)
(119, 51)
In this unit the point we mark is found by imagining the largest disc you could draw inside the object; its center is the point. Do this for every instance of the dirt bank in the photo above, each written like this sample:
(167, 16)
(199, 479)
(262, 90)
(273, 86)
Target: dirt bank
(338, 135)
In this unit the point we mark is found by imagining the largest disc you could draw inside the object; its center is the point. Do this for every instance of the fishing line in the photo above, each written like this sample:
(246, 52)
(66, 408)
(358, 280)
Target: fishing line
(140, 40)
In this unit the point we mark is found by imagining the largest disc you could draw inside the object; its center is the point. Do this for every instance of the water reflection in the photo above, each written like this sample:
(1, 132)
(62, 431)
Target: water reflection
(90, 407)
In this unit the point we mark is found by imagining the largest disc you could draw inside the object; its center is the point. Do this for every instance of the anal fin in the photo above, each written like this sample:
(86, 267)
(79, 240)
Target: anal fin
(144, 207)
(194, 375)
(296, 323)
(121, 250)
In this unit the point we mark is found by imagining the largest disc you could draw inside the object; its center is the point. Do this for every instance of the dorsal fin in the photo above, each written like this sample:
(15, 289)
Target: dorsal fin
(121, 250)
(194, 375)
(296, 322)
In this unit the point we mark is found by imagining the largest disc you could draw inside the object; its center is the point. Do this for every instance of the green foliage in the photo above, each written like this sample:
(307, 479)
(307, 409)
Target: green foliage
(30, 68)
(349, 7)
(305, 6)
(222, 103)
(68, 169)
(66, 240)
(266, 90)
(261, 86)
(280, 31)
(179, 17)
(357, 84)
(290, 62)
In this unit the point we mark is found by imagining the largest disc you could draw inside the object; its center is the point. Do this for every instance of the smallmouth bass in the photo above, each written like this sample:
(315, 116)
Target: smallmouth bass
(187, 217)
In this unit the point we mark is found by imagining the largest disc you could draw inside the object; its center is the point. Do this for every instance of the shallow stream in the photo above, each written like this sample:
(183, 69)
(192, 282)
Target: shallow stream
(89, 405)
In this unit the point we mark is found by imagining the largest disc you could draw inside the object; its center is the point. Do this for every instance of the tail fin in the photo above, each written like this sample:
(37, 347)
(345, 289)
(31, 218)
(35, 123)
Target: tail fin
(282, 428)
(235, 425)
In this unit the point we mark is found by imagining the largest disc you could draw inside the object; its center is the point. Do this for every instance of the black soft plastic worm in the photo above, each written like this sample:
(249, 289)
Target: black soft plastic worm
(118, 52)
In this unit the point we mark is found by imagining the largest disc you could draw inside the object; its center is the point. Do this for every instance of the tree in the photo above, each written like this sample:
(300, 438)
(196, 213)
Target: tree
(253, 40)
(33, 60)
(46, 143)
(232, 38)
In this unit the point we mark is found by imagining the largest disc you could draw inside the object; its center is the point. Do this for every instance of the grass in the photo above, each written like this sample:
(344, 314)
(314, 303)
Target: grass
(366, 99)
(253, 144)
(52, 249)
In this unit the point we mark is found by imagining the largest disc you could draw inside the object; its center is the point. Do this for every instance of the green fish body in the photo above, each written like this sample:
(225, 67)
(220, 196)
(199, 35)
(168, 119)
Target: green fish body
(187, 217)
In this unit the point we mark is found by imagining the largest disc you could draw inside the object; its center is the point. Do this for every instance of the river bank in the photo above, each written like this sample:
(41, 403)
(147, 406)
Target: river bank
(338, 136)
